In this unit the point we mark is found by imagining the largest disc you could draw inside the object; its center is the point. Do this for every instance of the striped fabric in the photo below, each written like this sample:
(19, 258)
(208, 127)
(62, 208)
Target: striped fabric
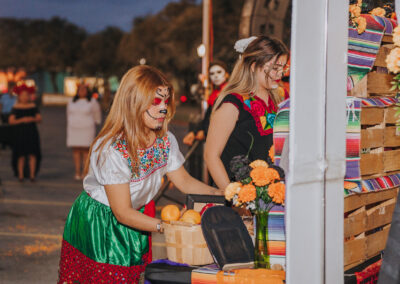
(353, 137)
(276, 235)
(364, 47)
(353, 142)
(379, 101)
(281, 129)
(381, 183)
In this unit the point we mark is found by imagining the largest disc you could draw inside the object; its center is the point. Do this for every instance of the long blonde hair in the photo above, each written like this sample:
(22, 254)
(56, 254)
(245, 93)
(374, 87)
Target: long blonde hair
(242, 80)
(125, 119)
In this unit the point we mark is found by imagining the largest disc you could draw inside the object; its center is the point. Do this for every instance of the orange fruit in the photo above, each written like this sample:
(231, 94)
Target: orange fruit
(170, 213)
(191, 216)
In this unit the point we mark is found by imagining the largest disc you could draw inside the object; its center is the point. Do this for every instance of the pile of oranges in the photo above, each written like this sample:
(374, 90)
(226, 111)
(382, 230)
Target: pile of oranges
(172, 213)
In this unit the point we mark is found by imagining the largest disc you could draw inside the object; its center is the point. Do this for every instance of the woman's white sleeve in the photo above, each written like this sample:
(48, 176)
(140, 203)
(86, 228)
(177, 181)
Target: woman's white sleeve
(111, 167)
(96, 111)
(175, 159)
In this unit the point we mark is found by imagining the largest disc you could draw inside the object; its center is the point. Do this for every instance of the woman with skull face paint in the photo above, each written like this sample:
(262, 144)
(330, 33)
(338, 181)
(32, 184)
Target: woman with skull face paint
(218, 76)
(246, 108)
(108, 230)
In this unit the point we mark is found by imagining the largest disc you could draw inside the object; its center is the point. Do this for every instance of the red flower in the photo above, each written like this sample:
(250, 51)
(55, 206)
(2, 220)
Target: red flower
(257, 108)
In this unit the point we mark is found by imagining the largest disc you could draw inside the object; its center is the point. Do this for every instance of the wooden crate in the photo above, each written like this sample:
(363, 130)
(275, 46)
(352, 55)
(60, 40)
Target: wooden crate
(372, 115)
(366, 224)
(383, 52)
(390, 115)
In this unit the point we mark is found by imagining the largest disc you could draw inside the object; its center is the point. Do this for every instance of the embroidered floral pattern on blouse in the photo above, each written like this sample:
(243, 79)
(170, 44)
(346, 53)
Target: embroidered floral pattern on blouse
(263, 115)
(151, 159)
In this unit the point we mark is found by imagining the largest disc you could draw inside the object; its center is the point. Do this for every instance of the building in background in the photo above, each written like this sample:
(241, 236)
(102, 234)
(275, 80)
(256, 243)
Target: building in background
(269, 17)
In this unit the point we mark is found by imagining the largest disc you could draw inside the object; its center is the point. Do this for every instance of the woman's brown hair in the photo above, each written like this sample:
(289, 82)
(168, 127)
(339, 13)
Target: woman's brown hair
(125, 119)
(258, 52)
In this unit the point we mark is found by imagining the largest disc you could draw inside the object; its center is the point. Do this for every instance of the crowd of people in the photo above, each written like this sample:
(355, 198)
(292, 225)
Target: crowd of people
(20, 116)
(107, 234)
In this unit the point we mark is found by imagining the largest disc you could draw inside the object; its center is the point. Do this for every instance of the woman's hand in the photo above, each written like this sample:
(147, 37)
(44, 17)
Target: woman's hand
(120, 203)
(189, 185)
(223, 121)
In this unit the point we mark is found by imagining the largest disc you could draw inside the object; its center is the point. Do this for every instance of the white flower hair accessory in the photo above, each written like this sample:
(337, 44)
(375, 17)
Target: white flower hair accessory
(242, 44)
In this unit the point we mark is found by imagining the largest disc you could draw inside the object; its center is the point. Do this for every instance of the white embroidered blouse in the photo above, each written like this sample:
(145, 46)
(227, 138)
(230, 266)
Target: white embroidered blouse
(114, 167)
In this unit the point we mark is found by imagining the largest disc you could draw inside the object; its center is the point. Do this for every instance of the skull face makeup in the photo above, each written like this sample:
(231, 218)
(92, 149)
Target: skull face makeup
(155, 115)
(217, 75)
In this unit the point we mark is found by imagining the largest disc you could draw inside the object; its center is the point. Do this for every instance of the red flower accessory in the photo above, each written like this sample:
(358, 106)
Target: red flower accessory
(19, 88)
(257, 107)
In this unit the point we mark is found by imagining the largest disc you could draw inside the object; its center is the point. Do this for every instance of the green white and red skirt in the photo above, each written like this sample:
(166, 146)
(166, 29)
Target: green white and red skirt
(96, 248)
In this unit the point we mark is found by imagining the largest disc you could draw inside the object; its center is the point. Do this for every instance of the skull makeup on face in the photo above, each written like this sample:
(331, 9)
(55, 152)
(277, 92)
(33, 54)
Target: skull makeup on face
(217, 75)
(155, 115)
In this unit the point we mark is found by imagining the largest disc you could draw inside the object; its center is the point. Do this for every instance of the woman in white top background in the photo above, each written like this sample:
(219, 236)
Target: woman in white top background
(83, 113)
(107, 235)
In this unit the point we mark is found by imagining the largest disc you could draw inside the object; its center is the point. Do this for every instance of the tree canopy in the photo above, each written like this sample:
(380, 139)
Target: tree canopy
(167, 40)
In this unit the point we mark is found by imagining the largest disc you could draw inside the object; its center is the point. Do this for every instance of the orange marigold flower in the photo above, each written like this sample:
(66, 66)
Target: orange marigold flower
(396, 36)
(355, 10)
(262, 175)
(258, 163)
(231, 190)
(277, 192)
(247, 193)
(393, 60)
(361, 24)
(378, 12)
(271, 153)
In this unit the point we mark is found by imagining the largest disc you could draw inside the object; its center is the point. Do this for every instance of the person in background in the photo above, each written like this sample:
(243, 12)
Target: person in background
(218, 74)
(7, 102)
(25, 138)
(83, 113)
(107, 235)
(244, 113)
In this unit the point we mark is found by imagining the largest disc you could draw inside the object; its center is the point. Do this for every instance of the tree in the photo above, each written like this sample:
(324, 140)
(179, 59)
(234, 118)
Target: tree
(99, 52)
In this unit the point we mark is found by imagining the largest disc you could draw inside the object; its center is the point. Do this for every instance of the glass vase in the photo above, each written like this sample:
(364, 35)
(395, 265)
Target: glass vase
(261, 256)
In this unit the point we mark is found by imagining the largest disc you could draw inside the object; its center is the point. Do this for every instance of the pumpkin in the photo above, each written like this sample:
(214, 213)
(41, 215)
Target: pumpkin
(170, 213)
(191, 216)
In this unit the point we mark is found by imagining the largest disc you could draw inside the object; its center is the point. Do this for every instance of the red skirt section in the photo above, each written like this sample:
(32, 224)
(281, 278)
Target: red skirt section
(75, 267)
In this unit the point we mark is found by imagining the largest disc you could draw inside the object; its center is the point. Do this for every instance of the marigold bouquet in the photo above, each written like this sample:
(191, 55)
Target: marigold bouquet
(258, 186)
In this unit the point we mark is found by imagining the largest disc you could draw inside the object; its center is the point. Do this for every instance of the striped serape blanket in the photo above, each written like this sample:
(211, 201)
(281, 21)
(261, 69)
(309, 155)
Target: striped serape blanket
(379, 101)
(381, 183)
(353, 137)
(276, 235)
(364, 47)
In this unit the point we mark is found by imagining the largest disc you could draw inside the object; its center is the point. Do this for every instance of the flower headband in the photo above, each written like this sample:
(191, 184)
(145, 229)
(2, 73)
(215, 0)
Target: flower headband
(242, 44)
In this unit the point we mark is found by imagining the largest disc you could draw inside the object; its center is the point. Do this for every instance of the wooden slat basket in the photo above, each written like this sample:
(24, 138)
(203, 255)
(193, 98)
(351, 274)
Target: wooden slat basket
(185, 244)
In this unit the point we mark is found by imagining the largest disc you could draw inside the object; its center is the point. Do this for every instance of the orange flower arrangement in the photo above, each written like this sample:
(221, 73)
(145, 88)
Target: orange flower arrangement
(258, 163)
(271, 153)
(262, 176)
(247, 193)
(277, 192)
(361, 24)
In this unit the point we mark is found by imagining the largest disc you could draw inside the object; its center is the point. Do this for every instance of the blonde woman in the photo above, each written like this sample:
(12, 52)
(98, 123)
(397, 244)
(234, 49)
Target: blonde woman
(107, 232)
(244, 113)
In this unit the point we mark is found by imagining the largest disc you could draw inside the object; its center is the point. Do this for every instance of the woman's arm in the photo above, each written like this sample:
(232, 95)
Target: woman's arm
(13, 120)
(222, 123)
(96, 112)
(189, 185)
(120, 203)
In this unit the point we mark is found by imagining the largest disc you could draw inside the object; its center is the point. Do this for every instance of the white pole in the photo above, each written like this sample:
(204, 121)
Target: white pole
(317, 142)
(397, 8)
(204, 68)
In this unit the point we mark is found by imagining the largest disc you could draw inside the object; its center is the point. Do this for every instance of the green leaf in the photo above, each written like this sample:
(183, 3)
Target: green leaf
(246, 180)
(394, 87)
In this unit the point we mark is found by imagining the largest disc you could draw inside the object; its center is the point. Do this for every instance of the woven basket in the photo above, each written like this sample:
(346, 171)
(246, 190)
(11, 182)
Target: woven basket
(185, 244)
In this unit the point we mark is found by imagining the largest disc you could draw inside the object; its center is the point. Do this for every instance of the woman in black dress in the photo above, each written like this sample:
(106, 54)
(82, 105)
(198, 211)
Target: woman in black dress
(246, 108)
(26, 143)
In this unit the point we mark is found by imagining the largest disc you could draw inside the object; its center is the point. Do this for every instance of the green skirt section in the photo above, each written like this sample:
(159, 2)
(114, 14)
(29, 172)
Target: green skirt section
(92, 229)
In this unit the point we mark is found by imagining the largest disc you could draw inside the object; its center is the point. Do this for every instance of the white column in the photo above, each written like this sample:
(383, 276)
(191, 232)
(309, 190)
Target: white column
(314, 207)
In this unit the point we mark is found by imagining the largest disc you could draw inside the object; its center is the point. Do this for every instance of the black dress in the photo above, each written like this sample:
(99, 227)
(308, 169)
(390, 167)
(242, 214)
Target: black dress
(25, 138)
(255, 121)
